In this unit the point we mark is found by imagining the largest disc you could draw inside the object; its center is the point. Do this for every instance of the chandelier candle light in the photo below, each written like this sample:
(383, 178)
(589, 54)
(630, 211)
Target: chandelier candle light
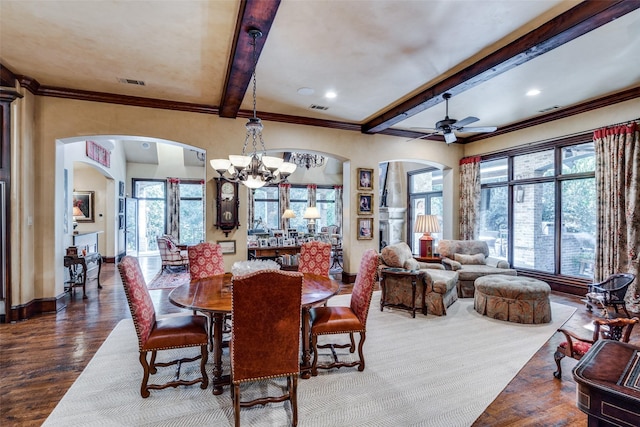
(256, 169)
(306, 160)
(426, 224)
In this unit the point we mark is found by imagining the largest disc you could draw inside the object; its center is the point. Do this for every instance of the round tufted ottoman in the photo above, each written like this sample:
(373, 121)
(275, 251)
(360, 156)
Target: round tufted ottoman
(513, 298)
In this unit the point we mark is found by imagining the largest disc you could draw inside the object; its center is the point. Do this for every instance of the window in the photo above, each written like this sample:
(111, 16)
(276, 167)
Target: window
(266, 212)
(191, 212)
(538, 207)
(151, 195)
(425, 198)
(326, 204)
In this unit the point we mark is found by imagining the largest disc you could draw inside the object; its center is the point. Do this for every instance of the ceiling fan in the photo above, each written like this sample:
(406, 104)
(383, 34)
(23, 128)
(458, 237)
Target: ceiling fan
(447, 127)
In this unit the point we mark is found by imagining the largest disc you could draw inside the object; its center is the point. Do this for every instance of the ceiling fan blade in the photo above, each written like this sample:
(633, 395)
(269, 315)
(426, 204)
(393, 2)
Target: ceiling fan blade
(432, 129)
(423, 136)
(450, 137)
(479, 129)
(465, 121)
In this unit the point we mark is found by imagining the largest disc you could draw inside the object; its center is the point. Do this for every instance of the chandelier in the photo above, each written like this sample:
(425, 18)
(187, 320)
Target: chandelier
(255, 169)
(306, 160)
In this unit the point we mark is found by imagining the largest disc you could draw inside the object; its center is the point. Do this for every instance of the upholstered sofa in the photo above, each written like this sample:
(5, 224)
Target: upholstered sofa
(470, 259)
(436, 284)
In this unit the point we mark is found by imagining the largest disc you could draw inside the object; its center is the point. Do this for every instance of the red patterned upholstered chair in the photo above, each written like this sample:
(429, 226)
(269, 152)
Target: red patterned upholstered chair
(346, 320)
(576, 347)
(315, 258)
(205, 260)
(171, 254)
(265, 338)
(161, 334)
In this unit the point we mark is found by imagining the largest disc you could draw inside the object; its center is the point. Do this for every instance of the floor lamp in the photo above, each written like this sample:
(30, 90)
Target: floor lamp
(311, 214)
(426, 224)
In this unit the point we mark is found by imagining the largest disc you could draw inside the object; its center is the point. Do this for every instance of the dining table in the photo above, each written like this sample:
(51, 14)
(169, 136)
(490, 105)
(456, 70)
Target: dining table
(212, 295)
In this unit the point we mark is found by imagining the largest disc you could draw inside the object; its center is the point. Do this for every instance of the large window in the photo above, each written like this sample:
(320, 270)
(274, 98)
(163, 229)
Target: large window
(191, 212)
(425, 198)
(266, 208)
(151, 197)
(538, 207)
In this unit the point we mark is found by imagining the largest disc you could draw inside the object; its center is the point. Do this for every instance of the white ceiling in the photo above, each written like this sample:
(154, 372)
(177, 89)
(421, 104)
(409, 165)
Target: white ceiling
(373, 54)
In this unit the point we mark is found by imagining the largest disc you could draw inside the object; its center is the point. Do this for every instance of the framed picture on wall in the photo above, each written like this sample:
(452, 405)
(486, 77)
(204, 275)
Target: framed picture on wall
(83, 206)
(121, 189)
(365, 179)
(228, 246)
(121, 222)
(365, 228)
(365, 203)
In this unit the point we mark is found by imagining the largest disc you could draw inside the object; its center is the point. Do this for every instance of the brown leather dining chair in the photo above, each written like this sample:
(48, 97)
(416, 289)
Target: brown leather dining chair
(618, 329)
(161, 334)
(265, 336)
(346, 320)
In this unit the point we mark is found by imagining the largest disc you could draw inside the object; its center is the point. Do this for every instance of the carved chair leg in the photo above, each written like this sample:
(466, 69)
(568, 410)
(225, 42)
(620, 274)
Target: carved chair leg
(144, 390)
(203, 368)
(353, 343)
(236, 404)
(293, 397)
(558, 356)
(152, 364)
(360, 352)
(314, 347)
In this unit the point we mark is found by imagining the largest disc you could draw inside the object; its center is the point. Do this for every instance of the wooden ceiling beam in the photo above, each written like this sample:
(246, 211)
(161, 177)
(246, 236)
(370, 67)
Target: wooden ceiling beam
(568, 26)
(257, 14)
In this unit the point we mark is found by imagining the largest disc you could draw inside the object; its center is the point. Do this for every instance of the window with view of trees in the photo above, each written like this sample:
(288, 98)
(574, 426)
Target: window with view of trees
(425, 198)
(151, 195)
(538, 208)
(191, 212)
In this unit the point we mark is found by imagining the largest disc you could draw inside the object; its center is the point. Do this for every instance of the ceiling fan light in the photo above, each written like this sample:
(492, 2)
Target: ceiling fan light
(450, 137)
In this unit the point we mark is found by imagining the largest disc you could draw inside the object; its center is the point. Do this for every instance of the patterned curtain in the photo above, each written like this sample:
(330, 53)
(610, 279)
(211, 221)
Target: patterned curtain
(469, 197)
(252, 208)
(618, 204)
(173, 208)
(338, 189)
(311, 188)
(283, 195)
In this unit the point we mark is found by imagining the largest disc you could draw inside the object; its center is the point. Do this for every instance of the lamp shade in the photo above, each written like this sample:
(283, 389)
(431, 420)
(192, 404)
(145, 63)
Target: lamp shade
(311, 213)
(288, 213)
(427, 224)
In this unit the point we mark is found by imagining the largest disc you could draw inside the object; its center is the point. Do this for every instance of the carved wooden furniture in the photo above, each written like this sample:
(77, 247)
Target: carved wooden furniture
(265, 336)
(315, 258)
(272, 252)
(161, 334)
(402, 277)
(172, 254)
(213, 295)
(79, 267)
(608, 390)
(346, 320)
(515, 299)
(576, 347)
(609, 293)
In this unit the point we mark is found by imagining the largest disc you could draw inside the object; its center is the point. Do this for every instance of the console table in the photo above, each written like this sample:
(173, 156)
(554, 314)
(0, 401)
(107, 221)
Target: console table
(608, 388)
(78, 267)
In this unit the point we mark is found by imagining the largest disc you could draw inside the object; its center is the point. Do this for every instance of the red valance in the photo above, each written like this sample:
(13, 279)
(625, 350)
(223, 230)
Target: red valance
(472, 159)
(174, 180)
(615, 130)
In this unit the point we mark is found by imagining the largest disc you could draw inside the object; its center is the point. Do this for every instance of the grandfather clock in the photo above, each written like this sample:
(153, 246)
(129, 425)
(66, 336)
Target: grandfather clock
(227, 204)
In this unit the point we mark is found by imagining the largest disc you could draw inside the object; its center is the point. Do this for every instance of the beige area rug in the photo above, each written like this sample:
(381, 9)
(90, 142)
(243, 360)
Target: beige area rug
(427, 371)
(167, 279)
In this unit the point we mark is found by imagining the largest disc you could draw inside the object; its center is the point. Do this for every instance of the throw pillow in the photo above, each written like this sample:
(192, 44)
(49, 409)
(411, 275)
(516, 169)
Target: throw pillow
(477, 259)
(411, 264)
(392, 257)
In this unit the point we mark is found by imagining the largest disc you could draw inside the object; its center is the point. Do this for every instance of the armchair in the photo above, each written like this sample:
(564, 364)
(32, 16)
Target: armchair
(171, 253)
(576, 347)
(470, 258)
(609, 293)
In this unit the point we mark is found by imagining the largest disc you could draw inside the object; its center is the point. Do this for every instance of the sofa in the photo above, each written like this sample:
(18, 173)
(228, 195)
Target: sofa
(470, 259)
(438, 286)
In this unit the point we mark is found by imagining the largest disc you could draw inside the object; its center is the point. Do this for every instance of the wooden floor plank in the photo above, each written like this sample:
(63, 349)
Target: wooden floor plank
(40, 358)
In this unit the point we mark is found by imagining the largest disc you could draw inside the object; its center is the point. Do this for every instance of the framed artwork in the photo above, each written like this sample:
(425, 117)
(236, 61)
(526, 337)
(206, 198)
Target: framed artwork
(365, 228)
(365, 177)
(228, 246)
(365, 203)
(121, 222)
(121, 206)
(121, 189)
(83, 201)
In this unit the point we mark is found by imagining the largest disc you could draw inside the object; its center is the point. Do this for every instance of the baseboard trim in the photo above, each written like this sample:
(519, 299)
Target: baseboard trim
(35, 307)
(348, 277)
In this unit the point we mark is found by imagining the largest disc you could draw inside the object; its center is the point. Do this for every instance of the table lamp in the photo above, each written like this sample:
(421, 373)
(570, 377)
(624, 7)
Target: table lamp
(311, 214)
(287, 215)
(426, 224)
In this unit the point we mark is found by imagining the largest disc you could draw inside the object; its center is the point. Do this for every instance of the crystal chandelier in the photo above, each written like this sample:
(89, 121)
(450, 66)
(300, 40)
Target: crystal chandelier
(256, 169)
(306, 160)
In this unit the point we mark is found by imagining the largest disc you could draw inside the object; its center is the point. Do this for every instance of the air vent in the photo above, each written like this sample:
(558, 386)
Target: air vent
(318, 107)
(131, 82)
(546, 110)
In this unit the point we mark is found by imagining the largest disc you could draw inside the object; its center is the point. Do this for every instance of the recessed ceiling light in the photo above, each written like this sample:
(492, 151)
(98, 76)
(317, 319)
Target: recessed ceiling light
(145, 145)
(330, 94)
(306, 91)
(533, 92)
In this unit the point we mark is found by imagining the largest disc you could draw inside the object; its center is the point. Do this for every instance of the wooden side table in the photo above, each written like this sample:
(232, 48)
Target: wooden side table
(408, 275)
(436, 259)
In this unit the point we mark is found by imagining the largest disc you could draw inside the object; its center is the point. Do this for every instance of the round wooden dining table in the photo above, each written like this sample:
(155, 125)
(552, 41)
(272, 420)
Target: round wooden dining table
(212, 295)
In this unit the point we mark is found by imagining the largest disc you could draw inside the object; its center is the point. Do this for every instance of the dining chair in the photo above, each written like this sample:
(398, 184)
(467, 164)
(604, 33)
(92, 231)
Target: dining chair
(265, 338)
(315, 258)
(346, 320)
(161, 334)
(575, 347)
(205, 260)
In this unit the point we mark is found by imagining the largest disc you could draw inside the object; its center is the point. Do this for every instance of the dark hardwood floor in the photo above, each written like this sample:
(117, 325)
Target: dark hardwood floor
(41, 357)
